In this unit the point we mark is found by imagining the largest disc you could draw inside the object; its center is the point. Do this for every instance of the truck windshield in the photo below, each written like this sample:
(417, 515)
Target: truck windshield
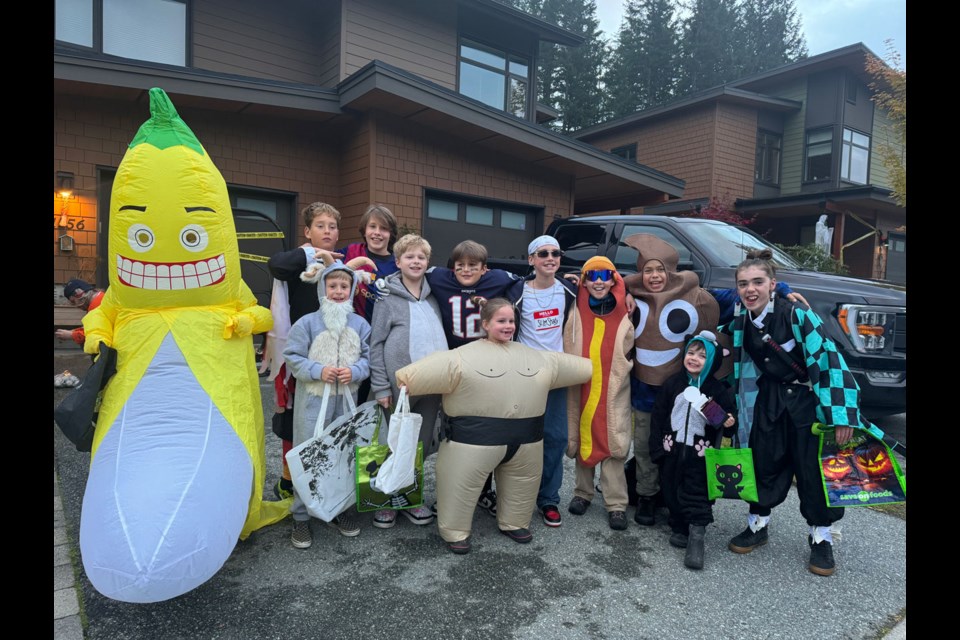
(728, 245)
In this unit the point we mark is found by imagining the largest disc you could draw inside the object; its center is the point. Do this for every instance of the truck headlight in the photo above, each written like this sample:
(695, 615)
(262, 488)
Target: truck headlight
(870, 329)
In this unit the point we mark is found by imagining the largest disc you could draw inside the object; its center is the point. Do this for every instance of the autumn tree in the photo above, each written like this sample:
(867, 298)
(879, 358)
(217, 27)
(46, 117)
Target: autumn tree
(889, 86)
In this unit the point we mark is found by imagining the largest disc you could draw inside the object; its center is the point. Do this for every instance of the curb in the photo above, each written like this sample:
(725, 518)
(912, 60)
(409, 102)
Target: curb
(66, 605)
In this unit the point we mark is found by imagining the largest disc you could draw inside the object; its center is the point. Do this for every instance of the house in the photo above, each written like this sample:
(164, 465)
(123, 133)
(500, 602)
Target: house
(789, 144)
(426, 106)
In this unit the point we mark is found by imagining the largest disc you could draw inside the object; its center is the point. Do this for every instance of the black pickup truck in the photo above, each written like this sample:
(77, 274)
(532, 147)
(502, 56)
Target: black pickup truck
(867, 319)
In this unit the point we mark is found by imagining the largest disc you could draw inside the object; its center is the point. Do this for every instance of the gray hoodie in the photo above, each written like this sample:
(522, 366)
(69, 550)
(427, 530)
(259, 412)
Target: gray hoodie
(404, 330)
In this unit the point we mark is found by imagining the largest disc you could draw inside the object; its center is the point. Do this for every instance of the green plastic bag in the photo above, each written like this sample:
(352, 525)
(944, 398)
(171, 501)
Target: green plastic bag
(862, 473)
(369, 458)
(730, 474)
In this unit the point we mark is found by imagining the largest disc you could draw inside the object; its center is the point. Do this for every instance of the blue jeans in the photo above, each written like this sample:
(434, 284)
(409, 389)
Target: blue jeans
(554, 445)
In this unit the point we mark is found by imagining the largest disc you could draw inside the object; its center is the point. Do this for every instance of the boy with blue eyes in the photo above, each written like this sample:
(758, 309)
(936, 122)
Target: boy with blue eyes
(598, 412)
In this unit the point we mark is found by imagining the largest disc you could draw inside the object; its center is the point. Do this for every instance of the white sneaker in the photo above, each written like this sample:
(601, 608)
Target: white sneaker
(385, 518)
(419, 515)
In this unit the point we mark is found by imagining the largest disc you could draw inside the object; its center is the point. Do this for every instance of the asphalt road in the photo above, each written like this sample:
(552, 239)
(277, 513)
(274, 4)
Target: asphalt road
(579, 581)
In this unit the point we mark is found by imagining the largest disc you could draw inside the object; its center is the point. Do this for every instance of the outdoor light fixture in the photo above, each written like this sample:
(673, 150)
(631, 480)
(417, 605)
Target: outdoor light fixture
(65, 184)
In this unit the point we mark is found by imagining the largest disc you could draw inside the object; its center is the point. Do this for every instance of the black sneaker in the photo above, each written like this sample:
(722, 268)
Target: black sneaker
(488, 501)
(518, 535)
(678, 540)
(645, 510)
(821, 557)
(617, 520)
(578, 506)
(460, 547)
(551, 515)
(748, 540)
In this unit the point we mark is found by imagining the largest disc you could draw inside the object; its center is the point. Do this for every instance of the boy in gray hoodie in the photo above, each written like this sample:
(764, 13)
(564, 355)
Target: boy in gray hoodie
(406, 327)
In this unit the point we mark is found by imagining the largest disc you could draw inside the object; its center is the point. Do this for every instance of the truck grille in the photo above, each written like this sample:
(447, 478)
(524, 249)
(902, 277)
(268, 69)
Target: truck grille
(900, 334)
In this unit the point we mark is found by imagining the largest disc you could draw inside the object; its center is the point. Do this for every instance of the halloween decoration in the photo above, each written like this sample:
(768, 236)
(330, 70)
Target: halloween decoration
(177, 463)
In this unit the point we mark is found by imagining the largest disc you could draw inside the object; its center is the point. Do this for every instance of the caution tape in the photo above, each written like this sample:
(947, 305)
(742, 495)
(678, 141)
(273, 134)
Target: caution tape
(253, 258)
(253, 235)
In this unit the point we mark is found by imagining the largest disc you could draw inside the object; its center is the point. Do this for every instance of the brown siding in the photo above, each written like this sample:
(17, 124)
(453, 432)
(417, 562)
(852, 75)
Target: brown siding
(253, 38)
(355, 181)
(410, 158)
(328, 64)
(417, 36)
(682, 146)
(735, 151)
(250, 152)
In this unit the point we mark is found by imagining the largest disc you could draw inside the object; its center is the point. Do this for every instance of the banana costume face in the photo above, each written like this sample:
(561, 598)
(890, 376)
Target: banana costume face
(177, 464)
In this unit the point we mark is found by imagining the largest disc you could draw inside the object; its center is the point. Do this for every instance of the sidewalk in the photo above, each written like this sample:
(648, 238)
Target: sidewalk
(66, 607)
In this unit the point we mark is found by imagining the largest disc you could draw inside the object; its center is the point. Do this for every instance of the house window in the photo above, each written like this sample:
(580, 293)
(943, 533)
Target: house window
(150, 30)
(819, 155)
(855, 157)
(851, 88)
(496, 78)
(627, 152)
(767, 168)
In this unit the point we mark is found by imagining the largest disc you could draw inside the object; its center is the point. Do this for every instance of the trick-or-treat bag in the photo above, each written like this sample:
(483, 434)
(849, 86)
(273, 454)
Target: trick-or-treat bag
(391, 476)
(322, 467)
(861, 473)
(730, 473)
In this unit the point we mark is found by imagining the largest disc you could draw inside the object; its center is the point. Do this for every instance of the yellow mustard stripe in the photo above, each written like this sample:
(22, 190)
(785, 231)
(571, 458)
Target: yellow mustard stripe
(253, 258)
(596, 388)
(252, 235)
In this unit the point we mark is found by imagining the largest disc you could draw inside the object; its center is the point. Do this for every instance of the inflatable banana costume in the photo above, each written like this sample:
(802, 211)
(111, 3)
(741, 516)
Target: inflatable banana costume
(177, 464)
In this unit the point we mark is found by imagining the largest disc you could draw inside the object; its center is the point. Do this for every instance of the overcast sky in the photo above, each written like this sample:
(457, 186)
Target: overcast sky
(827, 24)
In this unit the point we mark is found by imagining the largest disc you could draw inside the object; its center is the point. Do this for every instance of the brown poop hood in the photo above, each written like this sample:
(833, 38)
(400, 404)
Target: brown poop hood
(650, 247)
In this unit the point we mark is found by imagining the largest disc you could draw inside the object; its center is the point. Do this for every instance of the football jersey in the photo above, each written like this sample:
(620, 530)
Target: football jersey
(460, 316)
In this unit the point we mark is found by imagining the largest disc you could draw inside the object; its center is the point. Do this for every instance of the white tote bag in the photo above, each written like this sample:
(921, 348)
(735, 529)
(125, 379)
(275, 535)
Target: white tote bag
(398, 470)
(322, 467)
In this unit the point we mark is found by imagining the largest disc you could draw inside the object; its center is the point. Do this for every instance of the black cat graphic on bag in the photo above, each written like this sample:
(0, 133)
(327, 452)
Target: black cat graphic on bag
(729, 476)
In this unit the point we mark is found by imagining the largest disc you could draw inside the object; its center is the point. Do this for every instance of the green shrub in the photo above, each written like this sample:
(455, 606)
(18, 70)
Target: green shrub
(812, 257)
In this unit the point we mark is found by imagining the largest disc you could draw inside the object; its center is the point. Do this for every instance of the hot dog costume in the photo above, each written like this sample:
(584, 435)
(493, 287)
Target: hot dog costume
(598, 412)
(177, 464)
(494, 395)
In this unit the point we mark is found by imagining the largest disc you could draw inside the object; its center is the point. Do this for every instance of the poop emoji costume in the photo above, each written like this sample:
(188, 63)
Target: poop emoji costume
(177, 464)
(679, 309)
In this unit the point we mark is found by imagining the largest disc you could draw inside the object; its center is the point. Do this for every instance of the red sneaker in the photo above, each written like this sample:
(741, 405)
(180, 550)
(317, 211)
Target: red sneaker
(551, 515)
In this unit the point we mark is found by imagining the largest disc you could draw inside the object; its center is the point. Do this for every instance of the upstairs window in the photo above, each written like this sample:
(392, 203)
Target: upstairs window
(767, 166)
(150, 30)
(627, 152)
(496, 78)
(819, 152)
(855, 157)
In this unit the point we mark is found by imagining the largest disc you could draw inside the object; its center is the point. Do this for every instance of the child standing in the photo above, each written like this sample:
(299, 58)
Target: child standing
(598, 412)
(543, 303)
(328, 347)
(679, 437)
(406, 327)
(291, 300)
(378, 226)
(457, 292)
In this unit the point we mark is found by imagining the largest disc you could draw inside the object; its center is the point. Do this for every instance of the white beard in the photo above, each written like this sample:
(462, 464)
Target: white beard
(335, 314)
